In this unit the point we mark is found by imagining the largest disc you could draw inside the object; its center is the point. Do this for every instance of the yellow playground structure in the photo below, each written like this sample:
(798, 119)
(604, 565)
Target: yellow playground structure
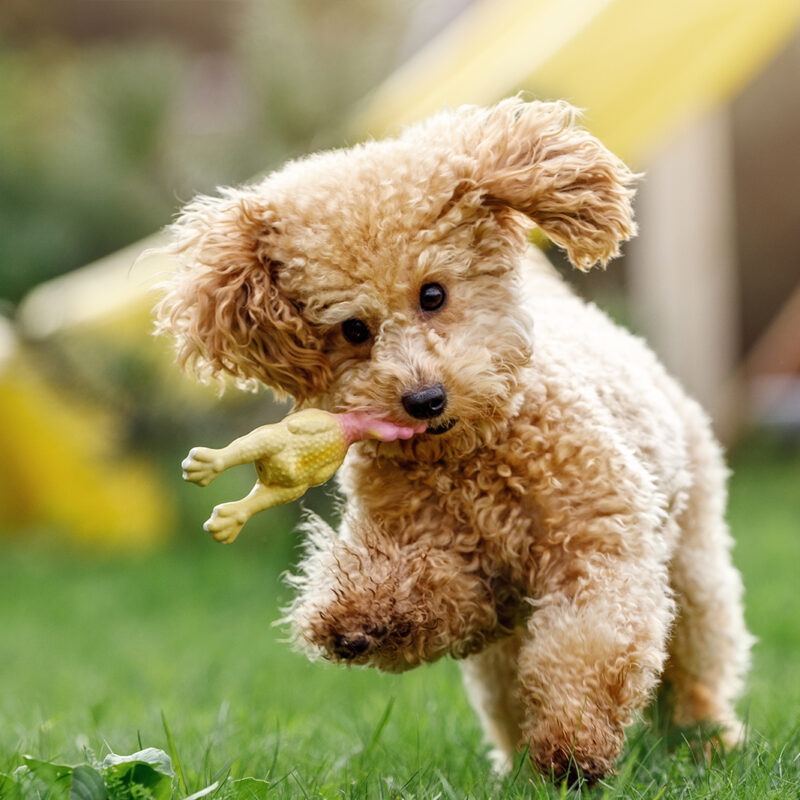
(640, 69)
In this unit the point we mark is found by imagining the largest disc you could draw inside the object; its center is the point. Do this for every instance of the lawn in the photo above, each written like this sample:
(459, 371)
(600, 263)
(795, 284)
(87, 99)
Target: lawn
(178, 651)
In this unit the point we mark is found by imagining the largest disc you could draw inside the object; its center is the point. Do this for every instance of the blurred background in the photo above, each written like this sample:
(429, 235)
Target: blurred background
(115, 112)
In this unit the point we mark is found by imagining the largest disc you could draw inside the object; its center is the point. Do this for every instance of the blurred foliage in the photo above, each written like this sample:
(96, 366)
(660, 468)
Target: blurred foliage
(101, 141)
(83, 172)
(104, 133)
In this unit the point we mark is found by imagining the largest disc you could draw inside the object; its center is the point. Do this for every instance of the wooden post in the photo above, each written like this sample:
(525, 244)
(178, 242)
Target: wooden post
(682, 267)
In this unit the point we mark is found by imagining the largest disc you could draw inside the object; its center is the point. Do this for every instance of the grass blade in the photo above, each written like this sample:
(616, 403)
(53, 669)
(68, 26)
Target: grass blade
(173, 752)
(376, 735)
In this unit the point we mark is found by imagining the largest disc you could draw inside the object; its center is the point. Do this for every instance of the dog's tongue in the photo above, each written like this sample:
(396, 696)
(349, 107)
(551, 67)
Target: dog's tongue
(357, 426)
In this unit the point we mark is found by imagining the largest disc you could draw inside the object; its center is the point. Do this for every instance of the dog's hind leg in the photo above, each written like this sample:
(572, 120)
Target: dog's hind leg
(710, 645)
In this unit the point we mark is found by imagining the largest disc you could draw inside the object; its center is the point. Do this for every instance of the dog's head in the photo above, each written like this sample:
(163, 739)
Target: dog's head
(383, 278)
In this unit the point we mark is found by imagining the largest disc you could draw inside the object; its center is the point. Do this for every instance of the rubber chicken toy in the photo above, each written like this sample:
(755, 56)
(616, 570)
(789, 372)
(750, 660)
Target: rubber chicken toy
(302, 450)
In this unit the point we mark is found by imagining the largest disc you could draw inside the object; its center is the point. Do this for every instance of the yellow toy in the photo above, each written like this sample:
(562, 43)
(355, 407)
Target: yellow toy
(302, 450)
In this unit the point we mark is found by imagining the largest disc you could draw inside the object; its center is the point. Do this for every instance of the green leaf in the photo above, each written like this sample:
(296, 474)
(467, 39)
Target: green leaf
(8, 787)
(157, 759)
(47, 771)
(62, 782)
(246, 789)
(150, 769)
(87, 784)
(57, 777)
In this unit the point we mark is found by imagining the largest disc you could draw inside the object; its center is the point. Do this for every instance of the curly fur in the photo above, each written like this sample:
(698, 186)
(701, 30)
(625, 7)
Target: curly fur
(565, 537)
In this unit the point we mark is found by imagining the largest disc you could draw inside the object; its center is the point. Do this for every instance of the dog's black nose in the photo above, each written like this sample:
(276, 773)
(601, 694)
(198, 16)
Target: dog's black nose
(426, 403)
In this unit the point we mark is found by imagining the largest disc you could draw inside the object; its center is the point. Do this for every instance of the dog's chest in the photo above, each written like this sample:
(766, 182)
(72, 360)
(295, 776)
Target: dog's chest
(475, 505)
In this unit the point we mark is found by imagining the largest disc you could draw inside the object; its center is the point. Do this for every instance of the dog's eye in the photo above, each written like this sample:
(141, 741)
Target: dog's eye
(432, 296)
(355, 331)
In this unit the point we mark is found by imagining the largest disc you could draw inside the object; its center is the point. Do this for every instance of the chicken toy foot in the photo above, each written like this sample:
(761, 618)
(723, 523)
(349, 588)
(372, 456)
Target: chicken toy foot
(302, 450)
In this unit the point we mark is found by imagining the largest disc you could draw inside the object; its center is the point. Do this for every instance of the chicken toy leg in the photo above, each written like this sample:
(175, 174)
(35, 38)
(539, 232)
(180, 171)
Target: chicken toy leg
(302, 450)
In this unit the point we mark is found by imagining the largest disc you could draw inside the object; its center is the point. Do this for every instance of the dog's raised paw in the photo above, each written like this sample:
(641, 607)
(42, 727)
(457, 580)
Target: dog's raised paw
(349, 646)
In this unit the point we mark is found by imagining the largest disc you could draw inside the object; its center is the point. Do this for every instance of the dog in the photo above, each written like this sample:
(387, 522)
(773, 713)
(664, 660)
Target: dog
(559, 526)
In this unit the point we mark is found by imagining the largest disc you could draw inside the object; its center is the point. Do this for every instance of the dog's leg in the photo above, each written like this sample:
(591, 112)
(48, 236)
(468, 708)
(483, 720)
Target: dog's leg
(365, 599)
(593, 658)
(710, 645)
(490, 678)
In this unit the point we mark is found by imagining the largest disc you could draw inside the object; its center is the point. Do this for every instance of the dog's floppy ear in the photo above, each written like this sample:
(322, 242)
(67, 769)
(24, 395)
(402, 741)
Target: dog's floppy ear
(223, 305)
(534, 158)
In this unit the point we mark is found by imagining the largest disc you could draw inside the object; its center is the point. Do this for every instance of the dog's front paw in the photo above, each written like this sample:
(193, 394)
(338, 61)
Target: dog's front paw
(575, 769)
(583, 754)
(359, 629)
(351, 645)
(202, 465)
(367, 640)
(386, 606)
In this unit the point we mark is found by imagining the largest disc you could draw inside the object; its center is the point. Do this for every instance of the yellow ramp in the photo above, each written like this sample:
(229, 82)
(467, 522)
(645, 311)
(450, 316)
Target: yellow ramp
(638, 67)
(63, 466)
(60, 469)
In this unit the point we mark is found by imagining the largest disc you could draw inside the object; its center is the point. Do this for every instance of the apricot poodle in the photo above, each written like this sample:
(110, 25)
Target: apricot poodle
(559, 526)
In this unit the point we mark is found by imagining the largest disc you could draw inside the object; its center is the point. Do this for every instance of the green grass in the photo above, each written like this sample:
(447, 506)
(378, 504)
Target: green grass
(96, 655)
